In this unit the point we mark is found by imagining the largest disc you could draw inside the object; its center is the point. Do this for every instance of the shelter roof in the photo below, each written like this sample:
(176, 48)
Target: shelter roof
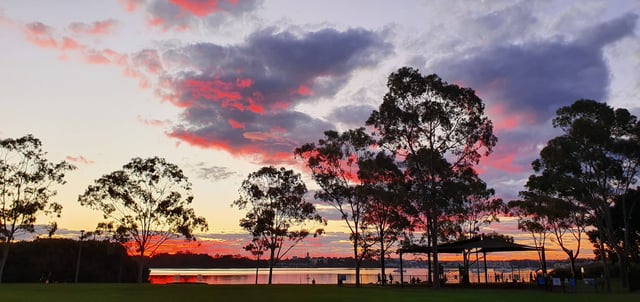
(480, 244)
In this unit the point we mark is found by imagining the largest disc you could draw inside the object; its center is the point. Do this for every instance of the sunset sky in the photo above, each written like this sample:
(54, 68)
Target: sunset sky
(222, 87)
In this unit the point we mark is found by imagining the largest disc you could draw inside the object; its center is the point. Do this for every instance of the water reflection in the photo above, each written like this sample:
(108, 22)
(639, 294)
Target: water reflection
(320, 276)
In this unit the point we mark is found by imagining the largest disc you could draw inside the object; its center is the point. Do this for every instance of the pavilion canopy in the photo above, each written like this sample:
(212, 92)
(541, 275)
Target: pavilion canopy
(479, 244)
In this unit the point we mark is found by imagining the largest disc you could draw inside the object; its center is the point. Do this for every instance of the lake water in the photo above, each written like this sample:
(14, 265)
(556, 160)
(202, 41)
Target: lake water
(319, 275)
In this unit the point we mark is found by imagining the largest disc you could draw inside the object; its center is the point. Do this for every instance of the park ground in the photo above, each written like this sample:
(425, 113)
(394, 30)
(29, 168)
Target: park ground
(286, 293)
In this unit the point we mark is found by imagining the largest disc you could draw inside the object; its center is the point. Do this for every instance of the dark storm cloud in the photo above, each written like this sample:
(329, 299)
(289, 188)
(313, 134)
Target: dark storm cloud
(242, 99)
(351, 115)
(524, 81)
(539, 77)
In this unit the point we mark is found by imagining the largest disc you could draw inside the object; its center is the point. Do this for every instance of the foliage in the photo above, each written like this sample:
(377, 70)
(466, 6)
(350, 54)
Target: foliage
(633, 210)
(384, 190)
(591, 164)
(274, 199)
(440, 132)
(26, 178)
(334, 166)
(54, 260)
(147, 202)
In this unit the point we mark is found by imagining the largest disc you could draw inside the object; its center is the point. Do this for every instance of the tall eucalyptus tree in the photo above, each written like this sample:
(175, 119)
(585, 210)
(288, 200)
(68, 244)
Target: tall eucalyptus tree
(441, 132)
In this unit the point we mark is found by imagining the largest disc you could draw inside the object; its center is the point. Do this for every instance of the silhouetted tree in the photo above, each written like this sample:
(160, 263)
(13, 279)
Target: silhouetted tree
(594, 162)
(538, 226)
(440, 132)
(147, 202)
(274, 199)
(385, 191)
(633, 210)
(333, 161)
(26, 178)
(563, 217)
(257, 247)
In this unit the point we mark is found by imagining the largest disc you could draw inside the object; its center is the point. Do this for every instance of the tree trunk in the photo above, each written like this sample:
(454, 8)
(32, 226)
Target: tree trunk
(429, 267)
(271, 262)
(356, 258)
(5, 255)
(465, 267)
(626, 242)
(624, 267)
(78, 261)
(141, 263)
(140, 269)
(382, 268)
(605, 267)
(434, 242)
(572, 259)
(257, 267)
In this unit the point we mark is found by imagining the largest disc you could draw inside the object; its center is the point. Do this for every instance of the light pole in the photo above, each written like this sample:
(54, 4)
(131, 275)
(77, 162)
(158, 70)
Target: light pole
(79, 255)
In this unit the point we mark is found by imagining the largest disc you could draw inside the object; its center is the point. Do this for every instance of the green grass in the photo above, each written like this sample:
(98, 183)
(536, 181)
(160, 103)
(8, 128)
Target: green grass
(281, 293)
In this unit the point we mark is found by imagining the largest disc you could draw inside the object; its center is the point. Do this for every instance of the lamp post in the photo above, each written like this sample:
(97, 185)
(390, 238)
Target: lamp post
(79, 255)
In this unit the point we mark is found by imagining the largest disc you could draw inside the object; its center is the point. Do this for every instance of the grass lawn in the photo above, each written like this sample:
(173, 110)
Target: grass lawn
(281, 293)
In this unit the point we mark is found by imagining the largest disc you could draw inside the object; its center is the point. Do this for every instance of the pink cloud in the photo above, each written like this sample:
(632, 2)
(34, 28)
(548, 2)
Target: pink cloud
(253, 152)
(70, 44)
(154, 122)
(104, 27)
(235, 124)
(5, 21)
(504, 158)
(96, 57)
(40, 35)
(131, 5)
(79, 160)
(303, 90)
(505, 121)
(199, 8)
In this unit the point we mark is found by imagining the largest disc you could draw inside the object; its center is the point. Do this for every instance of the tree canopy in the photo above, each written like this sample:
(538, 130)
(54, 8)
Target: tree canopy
(148, 202)
(26, 180)
(588, 169)
(275, 204)
(334, 163)
(440, 132)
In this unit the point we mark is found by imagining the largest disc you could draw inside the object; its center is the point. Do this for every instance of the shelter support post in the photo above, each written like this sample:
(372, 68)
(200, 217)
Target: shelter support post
(486, 274)
(401, 272)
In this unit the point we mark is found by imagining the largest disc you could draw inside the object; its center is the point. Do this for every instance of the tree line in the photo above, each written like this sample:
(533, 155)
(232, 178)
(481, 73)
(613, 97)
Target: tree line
(407, 177)
(54, 260)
